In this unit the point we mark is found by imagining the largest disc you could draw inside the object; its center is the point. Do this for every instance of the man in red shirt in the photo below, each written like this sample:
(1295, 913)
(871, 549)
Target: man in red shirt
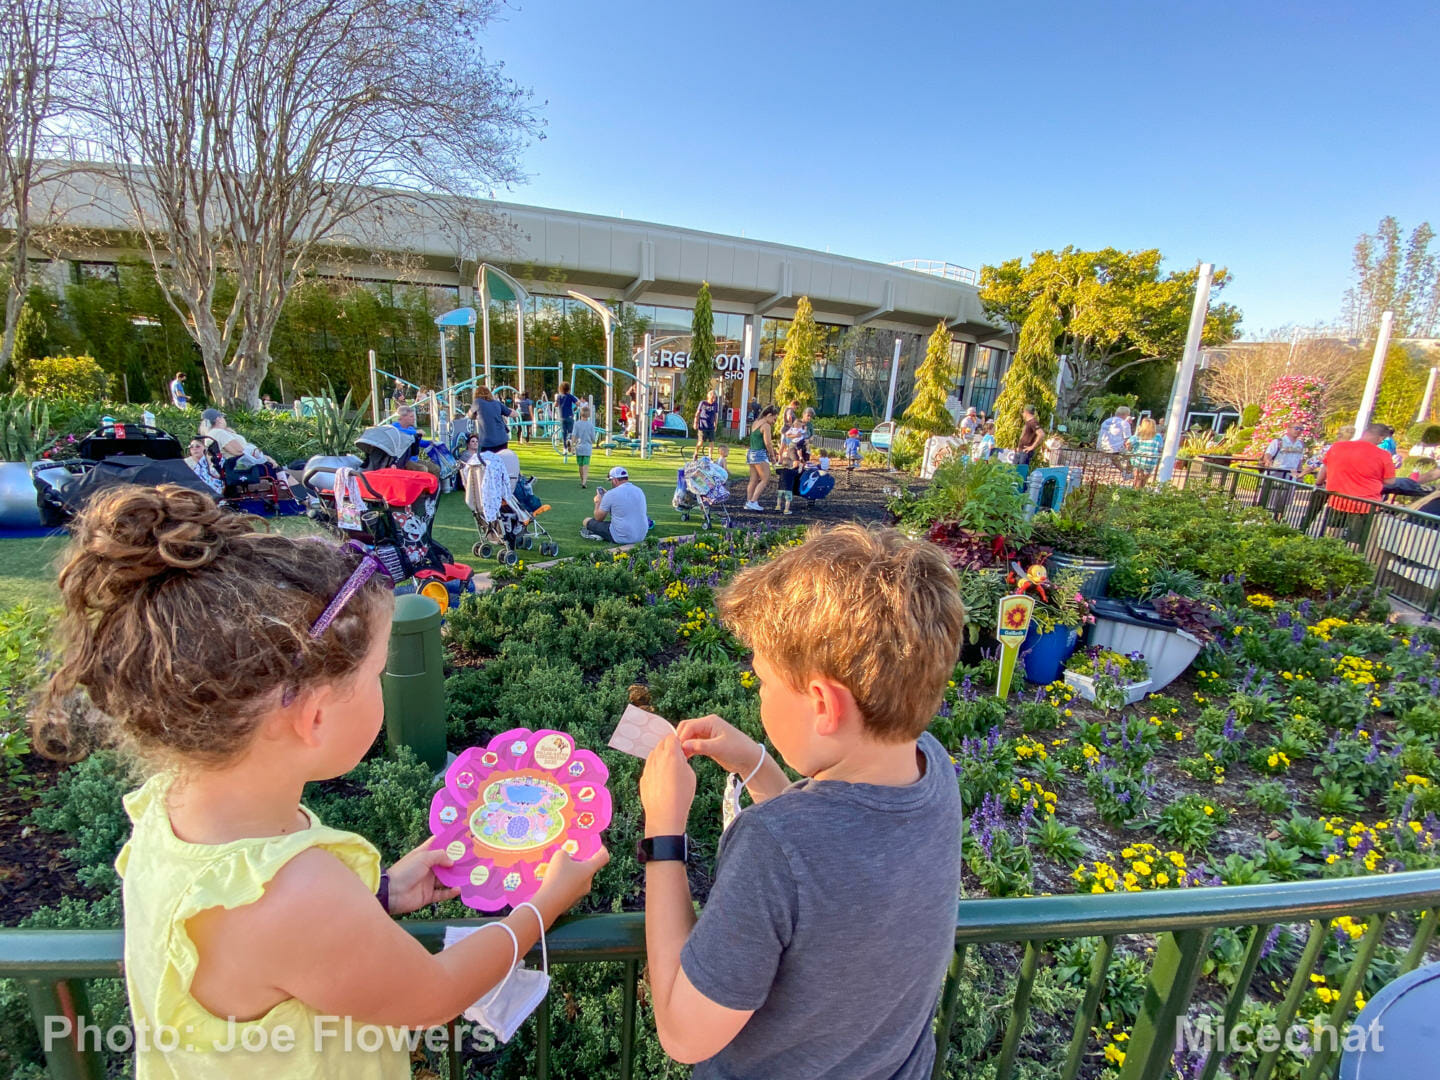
(1357, 468)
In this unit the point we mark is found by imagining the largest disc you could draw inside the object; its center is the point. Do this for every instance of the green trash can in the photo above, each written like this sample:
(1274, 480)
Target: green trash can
(414, 681)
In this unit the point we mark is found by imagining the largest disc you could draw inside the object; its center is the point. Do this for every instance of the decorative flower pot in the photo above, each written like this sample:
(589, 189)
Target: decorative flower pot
(1127, 628)
(1084, 685)
(19, 508)
(1044, 655)
(1095, 573)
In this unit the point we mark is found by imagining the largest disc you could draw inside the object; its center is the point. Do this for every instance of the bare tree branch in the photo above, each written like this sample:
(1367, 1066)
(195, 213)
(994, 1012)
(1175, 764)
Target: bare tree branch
(249, 134)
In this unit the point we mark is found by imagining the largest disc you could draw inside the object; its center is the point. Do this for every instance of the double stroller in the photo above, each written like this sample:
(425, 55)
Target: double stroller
(391, 510)
(702, 484)
(506, 516)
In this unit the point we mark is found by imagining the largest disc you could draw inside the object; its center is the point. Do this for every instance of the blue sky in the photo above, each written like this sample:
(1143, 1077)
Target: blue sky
(1262, 136)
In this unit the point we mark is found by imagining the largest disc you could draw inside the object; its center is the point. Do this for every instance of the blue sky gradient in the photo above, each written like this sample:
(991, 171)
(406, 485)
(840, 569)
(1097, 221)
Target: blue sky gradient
(1261, 136)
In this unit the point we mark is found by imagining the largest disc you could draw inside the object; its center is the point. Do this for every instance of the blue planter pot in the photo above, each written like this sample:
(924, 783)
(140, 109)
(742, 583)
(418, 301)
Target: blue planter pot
(1044, 655)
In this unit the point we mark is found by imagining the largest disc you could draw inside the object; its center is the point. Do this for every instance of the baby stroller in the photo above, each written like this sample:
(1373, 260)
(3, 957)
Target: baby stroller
(257, 488)
(702, 483)
(392, 512)
(815, 481)
(507, 518)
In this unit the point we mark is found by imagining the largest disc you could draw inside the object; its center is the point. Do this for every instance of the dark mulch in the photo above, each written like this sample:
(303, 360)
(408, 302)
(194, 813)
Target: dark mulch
(858, 496)
(33, 873)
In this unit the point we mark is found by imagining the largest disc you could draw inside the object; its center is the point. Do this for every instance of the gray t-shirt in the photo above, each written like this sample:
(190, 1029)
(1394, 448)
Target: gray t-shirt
(833, 918)
(584, 437)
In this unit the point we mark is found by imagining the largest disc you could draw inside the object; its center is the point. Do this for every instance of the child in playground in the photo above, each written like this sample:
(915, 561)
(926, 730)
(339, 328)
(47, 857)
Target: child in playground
(852, 449)
(807, 428)
(789, 477)
(831, 921)
(238, 666)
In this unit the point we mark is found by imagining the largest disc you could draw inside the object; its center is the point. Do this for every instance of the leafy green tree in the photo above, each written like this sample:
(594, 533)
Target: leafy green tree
(933, 382)
(795, 380)
(65, 378)
(1115, 310)
(32, 337)
(1031, 378)
(700, 374)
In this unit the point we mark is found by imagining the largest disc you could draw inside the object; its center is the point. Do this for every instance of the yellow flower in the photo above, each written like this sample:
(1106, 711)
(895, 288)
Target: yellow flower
(1162, 878)
(1209, 810)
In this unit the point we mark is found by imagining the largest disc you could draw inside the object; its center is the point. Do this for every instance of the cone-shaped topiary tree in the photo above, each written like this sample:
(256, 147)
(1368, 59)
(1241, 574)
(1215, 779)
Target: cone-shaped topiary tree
(927, 413)
(700, 374)
(796, 379)
(1031, 378)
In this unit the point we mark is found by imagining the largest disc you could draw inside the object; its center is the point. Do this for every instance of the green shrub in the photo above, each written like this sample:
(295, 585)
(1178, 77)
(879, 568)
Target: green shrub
(1250, 417)
(67, 378)
(24, 642)
(1423, 432)
(85, 804)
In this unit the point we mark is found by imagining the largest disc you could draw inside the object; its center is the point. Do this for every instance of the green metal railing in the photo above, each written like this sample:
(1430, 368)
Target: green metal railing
(1403, 545)
(53, 965)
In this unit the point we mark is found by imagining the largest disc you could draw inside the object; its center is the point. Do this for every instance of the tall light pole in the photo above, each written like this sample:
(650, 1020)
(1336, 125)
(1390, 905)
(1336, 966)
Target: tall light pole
(1424, 413)
(607, 317)
(1377, 368)
(1180, 396)
(894, 375)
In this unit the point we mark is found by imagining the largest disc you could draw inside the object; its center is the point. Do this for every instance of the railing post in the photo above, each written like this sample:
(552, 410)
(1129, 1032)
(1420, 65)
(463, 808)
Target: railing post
(1178, 959)
(65, 1058)
(627, 1020)
(949, 998)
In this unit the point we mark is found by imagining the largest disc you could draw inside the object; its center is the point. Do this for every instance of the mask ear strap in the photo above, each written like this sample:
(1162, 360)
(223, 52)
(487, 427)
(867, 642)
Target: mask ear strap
(514, 958)
(544, 948)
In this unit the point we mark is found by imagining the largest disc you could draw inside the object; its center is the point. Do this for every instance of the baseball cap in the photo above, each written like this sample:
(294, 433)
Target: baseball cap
(211, 415)
(853, 432)
(619, 473)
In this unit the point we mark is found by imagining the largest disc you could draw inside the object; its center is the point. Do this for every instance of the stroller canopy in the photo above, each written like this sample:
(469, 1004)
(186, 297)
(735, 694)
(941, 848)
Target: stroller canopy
(382, 442)
(398, 487)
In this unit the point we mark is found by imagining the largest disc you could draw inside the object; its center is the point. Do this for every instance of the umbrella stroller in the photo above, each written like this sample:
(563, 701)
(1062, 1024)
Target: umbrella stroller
(502, 512)
(704, 484)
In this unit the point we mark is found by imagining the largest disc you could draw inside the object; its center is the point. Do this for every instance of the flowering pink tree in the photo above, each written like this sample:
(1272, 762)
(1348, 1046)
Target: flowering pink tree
(1293, 399)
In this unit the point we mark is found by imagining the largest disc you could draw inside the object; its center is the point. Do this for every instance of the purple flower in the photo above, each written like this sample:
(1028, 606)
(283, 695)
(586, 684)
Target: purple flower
(1409, 806)
(1229, 729)
(1304, 608)
(1297, 633)
(1270, 940)
(1283, 620)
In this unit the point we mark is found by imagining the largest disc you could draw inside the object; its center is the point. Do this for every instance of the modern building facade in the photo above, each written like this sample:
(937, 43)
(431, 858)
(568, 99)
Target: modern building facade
(649, 275)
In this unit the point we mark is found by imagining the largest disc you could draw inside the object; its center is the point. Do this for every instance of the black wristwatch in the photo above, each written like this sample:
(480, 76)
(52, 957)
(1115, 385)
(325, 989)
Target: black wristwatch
(663, 849)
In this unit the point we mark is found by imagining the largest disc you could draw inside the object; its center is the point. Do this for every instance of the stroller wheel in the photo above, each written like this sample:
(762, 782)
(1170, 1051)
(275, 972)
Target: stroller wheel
(478, 550)
(550, 549)
(684, 517)
(529, 542)
(509, 558)
(485, 550)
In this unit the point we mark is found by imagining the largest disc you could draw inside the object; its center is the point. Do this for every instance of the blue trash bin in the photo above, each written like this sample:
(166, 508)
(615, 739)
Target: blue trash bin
(1044, 655)
(1403, 1022)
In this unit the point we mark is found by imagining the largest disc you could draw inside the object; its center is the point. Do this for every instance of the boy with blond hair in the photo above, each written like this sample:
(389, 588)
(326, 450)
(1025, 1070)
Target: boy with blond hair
(827, 934)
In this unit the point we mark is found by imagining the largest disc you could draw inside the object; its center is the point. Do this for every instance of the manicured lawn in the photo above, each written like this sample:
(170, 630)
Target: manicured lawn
(27, 570)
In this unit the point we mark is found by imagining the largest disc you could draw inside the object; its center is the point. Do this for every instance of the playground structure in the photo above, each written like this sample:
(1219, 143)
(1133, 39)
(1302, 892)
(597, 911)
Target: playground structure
(494, 284)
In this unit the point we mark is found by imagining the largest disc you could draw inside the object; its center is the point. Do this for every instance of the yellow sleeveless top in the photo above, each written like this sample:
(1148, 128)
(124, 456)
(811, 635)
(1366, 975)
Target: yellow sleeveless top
(167, 881)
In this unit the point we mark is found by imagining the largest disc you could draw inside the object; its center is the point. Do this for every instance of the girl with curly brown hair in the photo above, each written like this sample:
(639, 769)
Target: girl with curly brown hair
(239, 666)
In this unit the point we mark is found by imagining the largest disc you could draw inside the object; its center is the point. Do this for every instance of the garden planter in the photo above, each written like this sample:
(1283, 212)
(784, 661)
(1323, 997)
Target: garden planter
(1095, 572)
(19, 508)
(1084, 685)
(1044, 655)
(1130, 628)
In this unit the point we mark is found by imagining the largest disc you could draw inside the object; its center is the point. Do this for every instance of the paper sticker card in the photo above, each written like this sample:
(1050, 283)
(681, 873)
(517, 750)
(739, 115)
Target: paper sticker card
(639, 732)
(507, 808)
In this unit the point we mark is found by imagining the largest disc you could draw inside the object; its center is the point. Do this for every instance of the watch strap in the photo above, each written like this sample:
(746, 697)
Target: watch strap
(663, 849)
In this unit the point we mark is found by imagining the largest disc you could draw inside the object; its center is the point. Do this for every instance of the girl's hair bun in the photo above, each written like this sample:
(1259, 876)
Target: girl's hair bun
(143, 532)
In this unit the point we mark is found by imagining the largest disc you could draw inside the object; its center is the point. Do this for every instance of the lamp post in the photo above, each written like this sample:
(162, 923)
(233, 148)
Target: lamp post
(1377, 368)
(607, 317)
(894, 374)
(1180, 397)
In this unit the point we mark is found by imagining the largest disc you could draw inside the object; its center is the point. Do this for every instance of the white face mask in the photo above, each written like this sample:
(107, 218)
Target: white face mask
(519, 994)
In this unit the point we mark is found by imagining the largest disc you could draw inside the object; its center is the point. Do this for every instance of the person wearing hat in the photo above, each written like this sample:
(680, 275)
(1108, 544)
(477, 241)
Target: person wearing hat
(234, 448)
(621, 514)
(852, 448)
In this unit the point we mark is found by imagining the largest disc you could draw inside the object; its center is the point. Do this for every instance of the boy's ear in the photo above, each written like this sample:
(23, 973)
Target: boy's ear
(832, 706)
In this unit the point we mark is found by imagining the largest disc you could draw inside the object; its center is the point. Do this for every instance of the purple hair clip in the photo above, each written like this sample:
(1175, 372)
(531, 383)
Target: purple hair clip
(369, 566)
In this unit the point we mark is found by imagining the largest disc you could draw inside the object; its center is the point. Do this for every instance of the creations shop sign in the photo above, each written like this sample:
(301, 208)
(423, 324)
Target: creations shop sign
(729, 365)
